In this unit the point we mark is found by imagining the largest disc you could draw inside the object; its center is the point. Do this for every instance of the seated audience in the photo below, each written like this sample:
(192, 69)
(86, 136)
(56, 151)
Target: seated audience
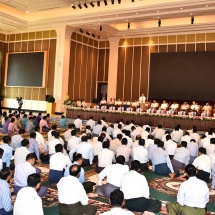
(7, 150)
(73, 141)
(29, 127)
(78, 123)
(44, 127)
(211, 148)
(97, 129)
(1, 154)
(34, 146)
(52, 143)
(97, 147)
(136, 191)
(67, 134)
(170, 146)
(193, 195)
(91, 123)
(158, 132)
(192, 146)
(124, 150)
(114, 174)
(16, 139)
(62, 122)
(115, 143)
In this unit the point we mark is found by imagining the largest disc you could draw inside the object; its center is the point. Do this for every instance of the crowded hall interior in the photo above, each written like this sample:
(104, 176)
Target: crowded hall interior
(107, 107)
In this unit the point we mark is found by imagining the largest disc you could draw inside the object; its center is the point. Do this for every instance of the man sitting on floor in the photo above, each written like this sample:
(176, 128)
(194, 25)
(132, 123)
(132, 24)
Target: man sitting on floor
(27, 201)
(114, 174)
(136, 191)
(193, 195)
(72, 196)
(161, 163)
(58, 162)
(6, 207)
(7, 150)
(22, 171)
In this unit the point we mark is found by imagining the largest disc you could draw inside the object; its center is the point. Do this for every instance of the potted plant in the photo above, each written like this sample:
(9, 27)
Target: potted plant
(51, 105)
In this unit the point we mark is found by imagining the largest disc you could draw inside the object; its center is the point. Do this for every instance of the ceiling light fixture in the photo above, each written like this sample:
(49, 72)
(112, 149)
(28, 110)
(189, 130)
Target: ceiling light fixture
(192, 20)
(132, 0)
(81, 30)
(159, 22)
(92, 5)
(129, 25)
(93, 35)
(79, 5)
(73, 6)
(119, 1)
(85, 5)
(112, 1)
(105, 2)
(100, 28)
(98, 3)
(88, 33)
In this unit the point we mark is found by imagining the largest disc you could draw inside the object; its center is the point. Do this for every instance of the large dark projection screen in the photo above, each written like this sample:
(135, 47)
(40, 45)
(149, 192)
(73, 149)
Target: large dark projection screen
(182, 76)
(26, 69)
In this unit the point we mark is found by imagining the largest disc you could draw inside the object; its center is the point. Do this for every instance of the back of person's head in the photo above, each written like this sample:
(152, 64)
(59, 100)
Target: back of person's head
(59, 147)
(116, 198)
(119, 136)
(193, 140)
(106, 145)
(156, 141)
(33, 135)
(132, 121)
(127, 122)
(39, 114)
(120, 159)
(4, 173)
(89, 136)
(203, 136)
(124, 141)
(44, 118)
(212, 140)
(25, 142)
(54, 127)
(6, 139)
(104, 129)
(62, 116)
(135, 165)
(176, 128)
(77, 157)
(12, 120)
(88, 127)
(1, 152)
(147, 129)
(73, 132)
(99, 122)
(21, 131)
(33, 180)
(103, 118)
(168, 137)
(159, 126)
(79, 116)
(133, 128)
(161, 144)
(103, 134)
(91, 117)
(202, 150)
(100, 138)
(69, 125)
(210, 132)
(179, 126)
(57, 134)
(119, 126)
(190, 169)
(150, 137)
(194, 130)
(141, 142)
(75, 170)
(184, 144)
(84, 138)
(30, 118)
(111, 125)
(138, 137)
(30, 156)
(187, 133)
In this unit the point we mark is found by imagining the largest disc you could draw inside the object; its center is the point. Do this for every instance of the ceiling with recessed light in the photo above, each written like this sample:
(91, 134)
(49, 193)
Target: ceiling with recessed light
(142, 16)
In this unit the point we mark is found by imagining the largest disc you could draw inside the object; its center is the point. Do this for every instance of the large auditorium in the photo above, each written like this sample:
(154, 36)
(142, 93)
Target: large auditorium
(107, 107)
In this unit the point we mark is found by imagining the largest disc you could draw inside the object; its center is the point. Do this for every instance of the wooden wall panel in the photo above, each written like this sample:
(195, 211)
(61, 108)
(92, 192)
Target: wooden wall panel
(28, 93)
(94, 74)
(42, 94)
(18, 46)
(38, 45)
(89, 74)
(21, 92)
(24, 47)
(101, 65)
(162, 48)
(210, 47)
(11, 47)
(181, 48)
(35, 93)
(171, 48)
(83, 72)
(190, 48)
(14, 92)
(106, 65)
(31, 46)
(200, 47)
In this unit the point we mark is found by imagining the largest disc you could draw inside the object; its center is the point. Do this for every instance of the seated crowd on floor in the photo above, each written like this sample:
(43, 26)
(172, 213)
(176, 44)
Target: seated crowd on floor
(121, 153)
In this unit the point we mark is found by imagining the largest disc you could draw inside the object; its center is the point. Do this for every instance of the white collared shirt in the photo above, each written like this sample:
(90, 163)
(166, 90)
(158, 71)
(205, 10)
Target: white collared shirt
(97, 147)
(91, 123)
(193, 148)
(134, 133)
(117, 211)
(16, 141)
(52, 144)
(67, 134)
(71, 191)
(125, 151)
(158, 133)
(78, 123)
(28, 202)
(193, 193)
(114, 174)
(39, 138)
(105, 157)
(186, 138)
(182, 155)
(134, 185)
(20, 155)
(196, 137)
(22, 171)
(170, 147)
(114, 144)
(59, 161)
(73, 142)
(148, 142)
(203, 162)
(97, 129)
(176, 136)
(140, 153)
(144, 135)
(210, 149)
(116, 132)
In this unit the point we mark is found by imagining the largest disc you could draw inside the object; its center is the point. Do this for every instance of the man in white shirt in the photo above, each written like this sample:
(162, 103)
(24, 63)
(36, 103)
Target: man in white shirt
(114, 144)
(105, 157)
(67, 134)
(27, 201)
(181, 158)
(110, 130)
(142, 101)
(43, 146)
(211, 148)
(91, 123)
(145, 133)
(134, 133)
(117, 131)
(7, 150)
(127, 126)
(117, 203)
(73, 141)
(78, 123)
(103, 122)
(141, 154)
(97, 147)
(114, 174)
(204, 141)
(72, 196)
(124, 150)
(158, 132)
(16, 139)
(193, 195)
(203, 164)
(22, 152)
(52, 143)
(97, 129)
(186, 137)
(149, 141)
(192, 146)
(136, 191)
(170, 146)
(84, 148)
(176, 135)
(58, 163)
(195, 136)
(126, 134)
(22, 171)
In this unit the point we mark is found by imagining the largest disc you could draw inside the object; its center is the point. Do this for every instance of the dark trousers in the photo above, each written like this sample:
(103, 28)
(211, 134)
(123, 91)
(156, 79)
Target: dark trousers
(3, 212)
(144, 167)
(204, 176)
(88, 186)
(98, 168)
(162, 169)
(143, 204)
(171, 157)
(77, 209)
(55, 175)
(95, 159)
(41, 192)
(85, 163)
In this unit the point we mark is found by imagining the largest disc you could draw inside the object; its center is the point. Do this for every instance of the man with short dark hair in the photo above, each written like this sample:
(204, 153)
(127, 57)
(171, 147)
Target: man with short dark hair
(16, 139)
(97, 129)
(193, 195)
(114, 144)
(170, 146)
(117, 202)
(91, 123)
(27, 201)
(34, 146)
(73, 140)
(136, 191)
(124, 150)
(7, 150)
(67, 134)
(78, 123)
(211, 148)
(6, 207)
(114, 174)
(52, 143)
(72, 196)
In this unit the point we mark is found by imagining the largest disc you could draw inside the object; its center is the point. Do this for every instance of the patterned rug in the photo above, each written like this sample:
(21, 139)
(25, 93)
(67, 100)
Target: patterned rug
(171, 187)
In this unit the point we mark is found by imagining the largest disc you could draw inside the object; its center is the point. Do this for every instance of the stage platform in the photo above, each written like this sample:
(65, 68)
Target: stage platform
(186, 122)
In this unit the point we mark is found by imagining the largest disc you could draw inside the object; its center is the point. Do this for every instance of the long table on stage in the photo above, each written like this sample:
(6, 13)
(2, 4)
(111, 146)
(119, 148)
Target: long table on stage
(165, 121)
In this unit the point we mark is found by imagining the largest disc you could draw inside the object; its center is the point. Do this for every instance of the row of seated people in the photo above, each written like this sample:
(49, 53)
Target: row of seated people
(125, 146)
(164, 108)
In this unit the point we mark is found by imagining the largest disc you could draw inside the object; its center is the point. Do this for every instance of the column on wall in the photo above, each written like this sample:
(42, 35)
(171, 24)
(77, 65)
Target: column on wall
(113, 64)
(62, 65)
